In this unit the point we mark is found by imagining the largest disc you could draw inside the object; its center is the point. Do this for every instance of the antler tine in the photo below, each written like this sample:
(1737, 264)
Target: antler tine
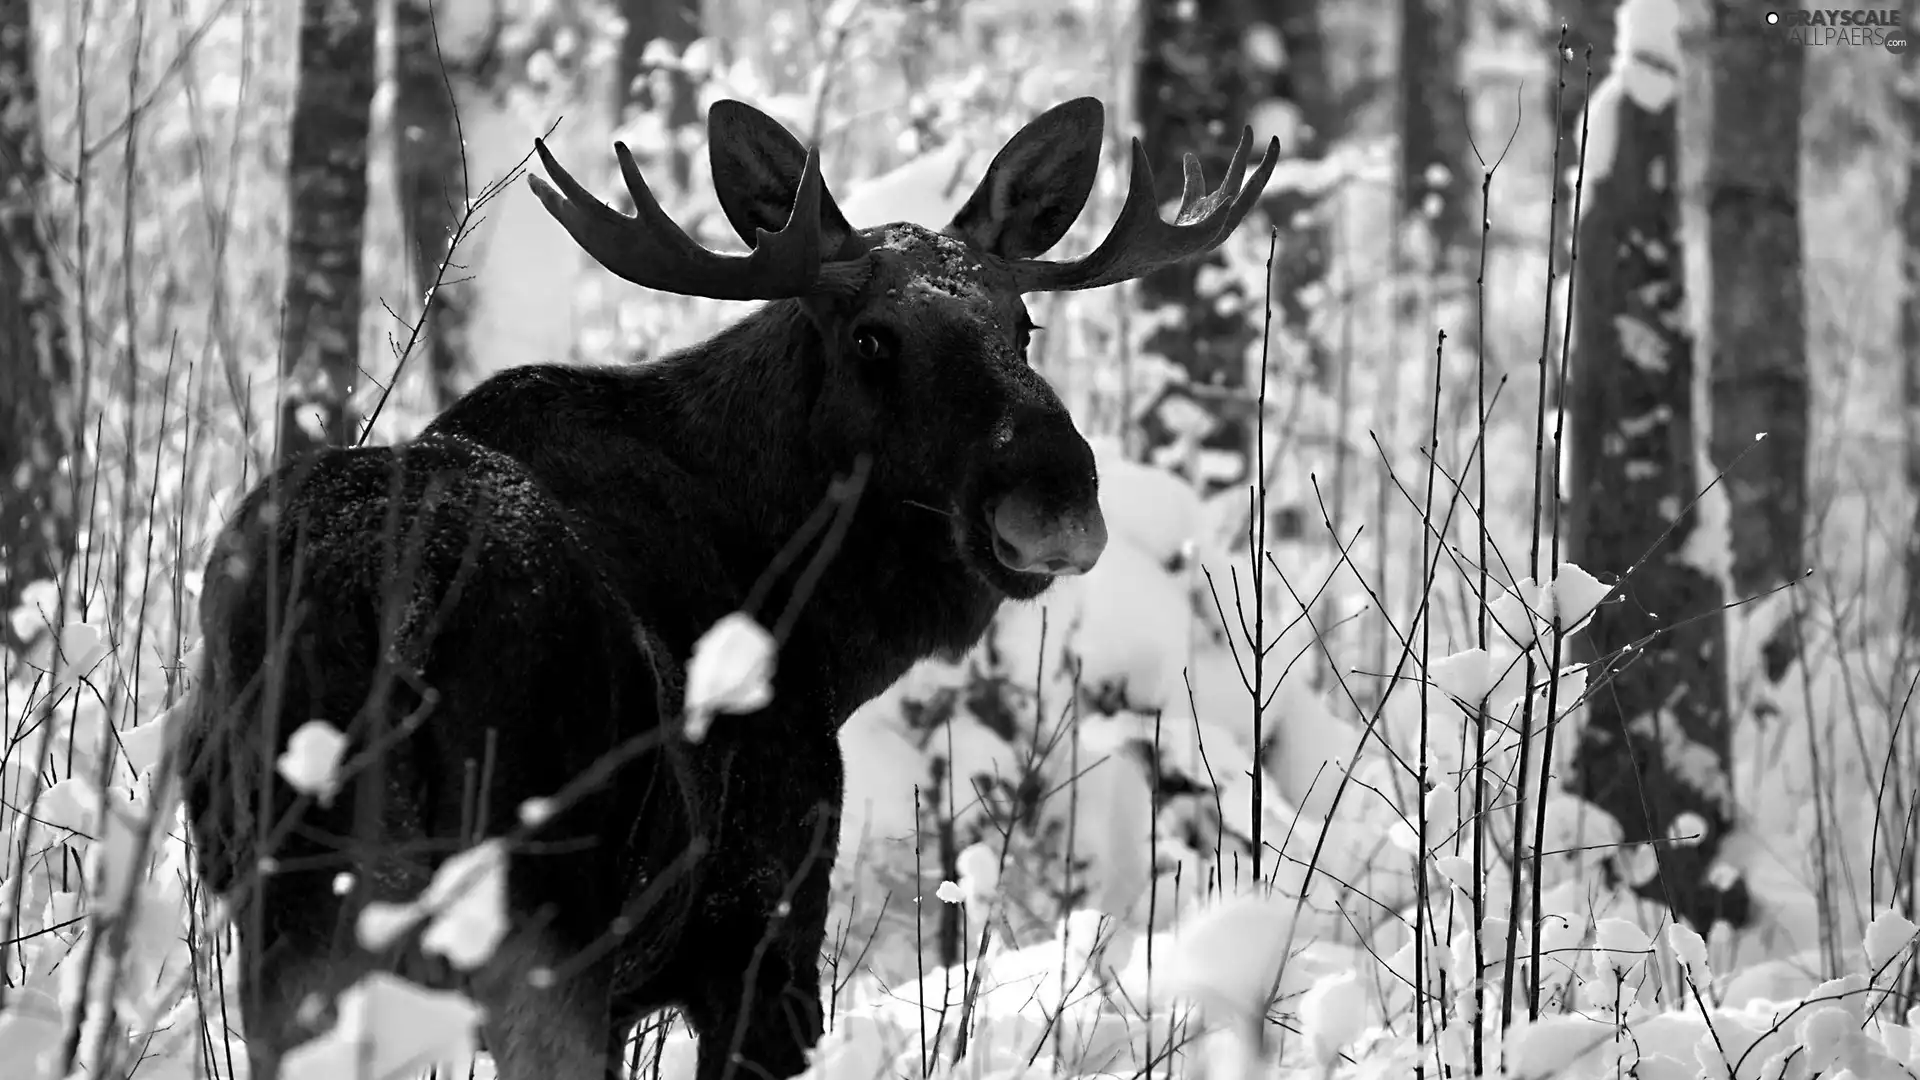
(1193, 187)
(1141, 242)
(648, 249)
(1231, 187)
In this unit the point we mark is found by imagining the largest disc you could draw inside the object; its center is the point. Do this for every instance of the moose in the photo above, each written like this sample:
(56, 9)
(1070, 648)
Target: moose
(500, 613)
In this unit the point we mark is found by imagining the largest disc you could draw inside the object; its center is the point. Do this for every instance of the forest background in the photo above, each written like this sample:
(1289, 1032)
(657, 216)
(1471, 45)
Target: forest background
(1504, 656)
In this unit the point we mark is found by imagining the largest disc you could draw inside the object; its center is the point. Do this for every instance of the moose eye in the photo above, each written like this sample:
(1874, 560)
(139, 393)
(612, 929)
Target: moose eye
(873, 344)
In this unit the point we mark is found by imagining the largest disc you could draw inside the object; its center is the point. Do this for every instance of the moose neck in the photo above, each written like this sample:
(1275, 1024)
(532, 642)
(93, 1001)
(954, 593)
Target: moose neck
(691, 473)
(740, 411)
(735, 409)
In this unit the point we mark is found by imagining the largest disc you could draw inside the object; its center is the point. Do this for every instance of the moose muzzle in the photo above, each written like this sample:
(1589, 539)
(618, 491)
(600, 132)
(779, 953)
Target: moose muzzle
(1033, 539)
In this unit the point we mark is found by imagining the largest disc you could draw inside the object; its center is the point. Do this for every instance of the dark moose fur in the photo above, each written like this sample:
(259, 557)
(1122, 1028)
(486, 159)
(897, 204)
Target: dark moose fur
(505, 605)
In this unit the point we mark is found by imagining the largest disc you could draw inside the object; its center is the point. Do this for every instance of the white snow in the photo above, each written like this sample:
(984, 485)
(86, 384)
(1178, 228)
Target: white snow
(1888, 936)
(389, 1027)
(979, 868)
(72, 804)
(1552, 1045)
(465, 903)
(1112, 810)
(1333, 1014)
(1620, 946)
(469, 900)
(1152, 509)
(1690, 949)
(82, 647)
(144, 743)
(926, 190)
(1646, 61)
(535, 812)
(1228, 957)
(38, 607)
(311, 762)
(1647, 35)
(731, 671)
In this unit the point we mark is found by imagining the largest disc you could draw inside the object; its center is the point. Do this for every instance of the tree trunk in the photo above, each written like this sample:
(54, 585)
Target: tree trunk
(1900, 836)
(1655, 743)
(678, 22)
(1909, 87)
(434, 189)
(1438, 176)
(1204, 67)
(1759, 365)
(36, 367)
(327, 205)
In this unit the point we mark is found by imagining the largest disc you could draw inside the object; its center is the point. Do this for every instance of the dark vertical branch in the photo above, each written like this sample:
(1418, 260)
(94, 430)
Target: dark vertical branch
(36, 366)
(433, 189)
(1589, 25)
(327, 205)
(1656, 740)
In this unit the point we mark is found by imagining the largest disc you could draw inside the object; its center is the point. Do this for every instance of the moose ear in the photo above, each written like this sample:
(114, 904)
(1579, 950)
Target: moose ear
(756, 167)
(1037, 183)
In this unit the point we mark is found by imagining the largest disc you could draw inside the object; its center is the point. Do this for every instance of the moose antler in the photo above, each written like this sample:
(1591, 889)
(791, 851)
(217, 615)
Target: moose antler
(1140, 241)
(648, 249)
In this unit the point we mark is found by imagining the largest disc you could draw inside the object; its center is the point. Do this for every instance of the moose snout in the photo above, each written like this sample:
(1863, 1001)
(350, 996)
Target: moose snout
(1031, 539)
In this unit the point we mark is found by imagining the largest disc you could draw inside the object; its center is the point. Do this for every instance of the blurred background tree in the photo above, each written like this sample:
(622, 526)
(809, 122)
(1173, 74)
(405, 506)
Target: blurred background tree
(1654, 750)
(327, 209)
(665, 93)
(1757, 326)
(1909, 101)
(1204, 64)
(434, 187)
(1439, 180)
(37, 370)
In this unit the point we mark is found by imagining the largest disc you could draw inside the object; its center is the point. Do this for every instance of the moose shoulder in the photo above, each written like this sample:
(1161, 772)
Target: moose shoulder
(502, 609)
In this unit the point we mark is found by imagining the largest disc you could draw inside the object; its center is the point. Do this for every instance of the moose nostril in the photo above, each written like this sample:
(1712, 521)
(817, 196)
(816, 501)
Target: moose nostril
(1032, 541)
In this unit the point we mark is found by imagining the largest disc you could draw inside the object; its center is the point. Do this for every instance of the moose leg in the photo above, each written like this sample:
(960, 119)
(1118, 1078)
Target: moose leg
(292, 966)
(617, 1034)
(761, 1009)
(547, 1017)
(764, 1029)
